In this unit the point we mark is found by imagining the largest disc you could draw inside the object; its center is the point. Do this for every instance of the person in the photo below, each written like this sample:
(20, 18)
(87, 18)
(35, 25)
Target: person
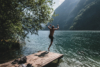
(51, 33)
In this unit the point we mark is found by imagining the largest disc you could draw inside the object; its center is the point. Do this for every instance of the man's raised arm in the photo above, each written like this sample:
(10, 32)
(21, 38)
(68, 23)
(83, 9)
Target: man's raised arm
(49, 26)
(57, 27)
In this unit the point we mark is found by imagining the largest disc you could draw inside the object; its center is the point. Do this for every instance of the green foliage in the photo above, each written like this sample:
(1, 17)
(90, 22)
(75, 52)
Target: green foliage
(19, 17)
(4, 46)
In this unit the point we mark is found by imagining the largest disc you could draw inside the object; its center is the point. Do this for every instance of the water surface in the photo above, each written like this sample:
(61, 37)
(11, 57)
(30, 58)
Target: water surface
(80, 48)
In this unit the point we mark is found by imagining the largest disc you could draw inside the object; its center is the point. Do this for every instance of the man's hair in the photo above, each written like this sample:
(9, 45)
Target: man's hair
(53, 26)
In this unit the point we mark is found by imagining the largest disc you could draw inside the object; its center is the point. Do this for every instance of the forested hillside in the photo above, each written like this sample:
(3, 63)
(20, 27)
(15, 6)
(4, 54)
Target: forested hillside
(63, 11)
(88, 18)
(78, 15)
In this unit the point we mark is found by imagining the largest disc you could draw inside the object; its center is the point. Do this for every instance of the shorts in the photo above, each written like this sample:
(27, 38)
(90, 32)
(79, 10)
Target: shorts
(51, 37)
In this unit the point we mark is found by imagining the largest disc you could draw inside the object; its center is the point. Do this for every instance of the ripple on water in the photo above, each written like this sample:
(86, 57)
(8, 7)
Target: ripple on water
(80, 49)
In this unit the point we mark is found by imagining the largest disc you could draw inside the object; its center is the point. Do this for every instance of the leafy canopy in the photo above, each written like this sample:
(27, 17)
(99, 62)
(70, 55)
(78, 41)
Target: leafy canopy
(19, 17)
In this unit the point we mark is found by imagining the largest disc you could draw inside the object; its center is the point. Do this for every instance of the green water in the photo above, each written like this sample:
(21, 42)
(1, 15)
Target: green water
(80, 48)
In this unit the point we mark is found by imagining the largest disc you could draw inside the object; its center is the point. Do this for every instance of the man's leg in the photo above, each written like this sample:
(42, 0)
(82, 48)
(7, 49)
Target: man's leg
(50, 45)
(51, 42)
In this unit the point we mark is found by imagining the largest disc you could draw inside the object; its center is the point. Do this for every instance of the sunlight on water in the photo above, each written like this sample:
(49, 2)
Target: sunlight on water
(80, 48)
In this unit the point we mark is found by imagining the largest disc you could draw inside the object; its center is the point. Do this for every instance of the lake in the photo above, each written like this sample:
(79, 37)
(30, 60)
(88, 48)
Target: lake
(80, 48)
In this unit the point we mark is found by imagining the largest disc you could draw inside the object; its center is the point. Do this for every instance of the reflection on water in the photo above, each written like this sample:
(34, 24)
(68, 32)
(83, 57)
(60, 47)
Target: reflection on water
(80, 48)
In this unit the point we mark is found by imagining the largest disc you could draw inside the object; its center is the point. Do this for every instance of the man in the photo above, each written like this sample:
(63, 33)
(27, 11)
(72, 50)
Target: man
(51, 33)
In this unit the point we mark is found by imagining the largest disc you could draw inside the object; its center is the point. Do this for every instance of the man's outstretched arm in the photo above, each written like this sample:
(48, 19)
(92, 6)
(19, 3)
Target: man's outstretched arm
(49, 26)
(57, 27)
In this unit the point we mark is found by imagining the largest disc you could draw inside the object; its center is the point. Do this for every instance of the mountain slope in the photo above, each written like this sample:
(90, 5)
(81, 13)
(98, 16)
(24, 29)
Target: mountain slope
(63, 12)
(77, 9)
(88, 17)
(78, 15)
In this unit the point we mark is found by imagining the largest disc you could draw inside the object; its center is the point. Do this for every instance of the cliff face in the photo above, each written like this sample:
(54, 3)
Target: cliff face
(78, 15)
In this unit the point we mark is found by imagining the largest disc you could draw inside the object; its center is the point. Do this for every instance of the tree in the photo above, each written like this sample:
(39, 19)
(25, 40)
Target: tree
(19, 17)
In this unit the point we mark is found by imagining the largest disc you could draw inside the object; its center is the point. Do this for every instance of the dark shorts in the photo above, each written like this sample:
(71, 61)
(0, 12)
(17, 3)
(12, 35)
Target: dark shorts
(51, 37)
